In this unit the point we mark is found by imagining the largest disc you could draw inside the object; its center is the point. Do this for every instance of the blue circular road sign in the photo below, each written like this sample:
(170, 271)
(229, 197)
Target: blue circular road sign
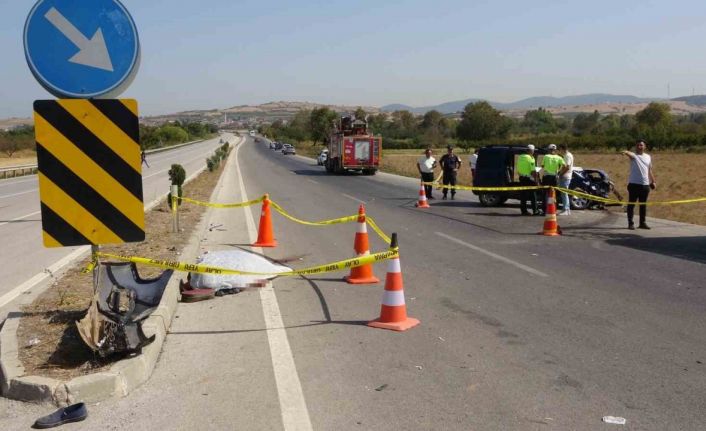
(82, 48)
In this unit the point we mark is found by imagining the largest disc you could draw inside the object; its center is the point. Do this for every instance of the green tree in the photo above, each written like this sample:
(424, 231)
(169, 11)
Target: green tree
(378, 123)
(654, 115)
(586, 123)
(435, 129)
(539, 121)
(403, 125)
(321, 123)
(360, 114)
(171, 134)
(480, 121)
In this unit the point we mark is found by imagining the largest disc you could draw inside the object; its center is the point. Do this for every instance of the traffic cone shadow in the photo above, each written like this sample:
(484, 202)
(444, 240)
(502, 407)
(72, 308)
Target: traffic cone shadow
(362, 274)
(422, 202)
(551, 226)
(265, 235)
(393, 312)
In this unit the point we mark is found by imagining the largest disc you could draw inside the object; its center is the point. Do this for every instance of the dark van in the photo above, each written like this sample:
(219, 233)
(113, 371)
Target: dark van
(495, 167)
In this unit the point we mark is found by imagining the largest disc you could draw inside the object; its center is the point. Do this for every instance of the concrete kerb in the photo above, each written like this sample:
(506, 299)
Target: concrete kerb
(125, 375)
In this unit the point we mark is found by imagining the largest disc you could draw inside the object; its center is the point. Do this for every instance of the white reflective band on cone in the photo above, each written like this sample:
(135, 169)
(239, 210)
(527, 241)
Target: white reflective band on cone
(362, 228)
(550, 200)
(393, 298)
(394, 265)
(367, 252)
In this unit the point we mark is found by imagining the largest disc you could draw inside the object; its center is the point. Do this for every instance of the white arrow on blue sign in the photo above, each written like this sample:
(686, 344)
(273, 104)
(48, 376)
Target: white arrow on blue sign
(82, 48)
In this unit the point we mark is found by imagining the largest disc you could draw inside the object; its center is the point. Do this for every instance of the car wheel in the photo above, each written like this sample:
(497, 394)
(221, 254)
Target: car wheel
(578, 202)
(491, 199)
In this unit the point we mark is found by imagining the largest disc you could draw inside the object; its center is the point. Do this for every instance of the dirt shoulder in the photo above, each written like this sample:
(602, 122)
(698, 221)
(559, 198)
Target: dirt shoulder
(48, 342)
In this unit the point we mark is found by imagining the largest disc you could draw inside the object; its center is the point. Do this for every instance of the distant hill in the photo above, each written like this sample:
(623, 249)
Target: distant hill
(529, 103)
(699, 100)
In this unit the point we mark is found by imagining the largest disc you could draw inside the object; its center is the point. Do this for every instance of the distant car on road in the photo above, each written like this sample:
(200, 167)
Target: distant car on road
(288, 149)
(321, 158)
(278, 146)
(272, 145)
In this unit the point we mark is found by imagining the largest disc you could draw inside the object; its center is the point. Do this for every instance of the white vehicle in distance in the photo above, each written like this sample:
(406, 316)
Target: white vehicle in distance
(252, 133)
(288, 149)
(321, 158)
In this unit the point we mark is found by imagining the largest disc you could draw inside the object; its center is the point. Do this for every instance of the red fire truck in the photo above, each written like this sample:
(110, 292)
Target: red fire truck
(351, 148)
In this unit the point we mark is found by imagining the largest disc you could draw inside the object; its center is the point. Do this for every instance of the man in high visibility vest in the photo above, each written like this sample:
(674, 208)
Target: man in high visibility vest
(528, 174)
(551, 164)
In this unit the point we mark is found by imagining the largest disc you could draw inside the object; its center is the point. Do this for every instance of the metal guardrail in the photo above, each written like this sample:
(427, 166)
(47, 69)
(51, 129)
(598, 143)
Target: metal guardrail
(17, 171)
(22, 170)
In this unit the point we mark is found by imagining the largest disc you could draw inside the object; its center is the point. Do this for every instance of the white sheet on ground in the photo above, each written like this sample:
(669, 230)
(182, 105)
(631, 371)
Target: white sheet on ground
(240, 260)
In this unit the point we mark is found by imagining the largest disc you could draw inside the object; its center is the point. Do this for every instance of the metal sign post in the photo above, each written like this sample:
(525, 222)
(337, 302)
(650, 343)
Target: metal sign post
(175, 208)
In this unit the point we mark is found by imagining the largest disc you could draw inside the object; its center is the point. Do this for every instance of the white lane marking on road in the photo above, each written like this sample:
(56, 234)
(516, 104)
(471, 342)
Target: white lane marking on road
(17, 194)
(312, 181)
(17, 291)
(9, 182)
(493, 255)
(354, 198)
(295, 415)
(20, 218)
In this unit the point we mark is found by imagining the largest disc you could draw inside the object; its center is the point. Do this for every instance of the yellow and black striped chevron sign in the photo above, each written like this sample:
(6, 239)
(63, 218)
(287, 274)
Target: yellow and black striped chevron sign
(90, 171)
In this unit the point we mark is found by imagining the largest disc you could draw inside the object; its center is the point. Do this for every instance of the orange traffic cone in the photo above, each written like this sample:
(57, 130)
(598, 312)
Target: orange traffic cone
(393, 313)
(422, 203)
(265, 236)
(551, 227)
(362, 274)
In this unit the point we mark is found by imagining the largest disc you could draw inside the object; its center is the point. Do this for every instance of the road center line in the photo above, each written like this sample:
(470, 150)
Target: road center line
(17, 194)
(20, 218)
(354, 198)
(493, 255)
(295, 415)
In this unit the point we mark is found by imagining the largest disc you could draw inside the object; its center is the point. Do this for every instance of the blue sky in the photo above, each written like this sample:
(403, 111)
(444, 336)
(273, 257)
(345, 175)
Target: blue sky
(221, 53)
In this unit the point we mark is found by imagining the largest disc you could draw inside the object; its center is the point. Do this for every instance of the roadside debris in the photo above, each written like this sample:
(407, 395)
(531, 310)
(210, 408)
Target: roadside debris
(122, 301)
(419, 367)
(33, 342)
(381, 387)
(614, 420)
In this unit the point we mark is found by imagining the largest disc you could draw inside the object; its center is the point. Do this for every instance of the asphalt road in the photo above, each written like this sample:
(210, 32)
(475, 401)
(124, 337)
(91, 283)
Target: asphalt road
(20, 219)
(519, 331)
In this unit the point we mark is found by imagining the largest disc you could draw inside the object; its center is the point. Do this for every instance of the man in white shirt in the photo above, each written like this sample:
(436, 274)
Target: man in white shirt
(426, 165)
(565, 176)
(473, 161)
(640, 181)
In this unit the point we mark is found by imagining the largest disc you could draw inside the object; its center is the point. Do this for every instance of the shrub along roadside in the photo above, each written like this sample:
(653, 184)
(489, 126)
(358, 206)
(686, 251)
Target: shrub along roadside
(214, 162)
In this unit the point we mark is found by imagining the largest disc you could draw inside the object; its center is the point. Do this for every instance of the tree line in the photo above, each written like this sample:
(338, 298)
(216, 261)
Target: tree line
(480, 124)
(22, 138)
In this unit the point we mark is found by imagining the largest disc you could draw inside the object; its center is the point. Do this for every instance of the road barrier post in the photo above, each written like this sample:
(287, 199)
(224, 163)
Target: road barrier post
(175, 208)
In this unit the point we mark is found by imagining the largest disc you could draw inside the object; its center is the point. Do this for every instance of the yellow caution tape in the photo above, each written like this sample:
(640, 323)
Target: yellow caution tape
(485, 189)
(377, 230)
(346, 219)
(614, 201)
(215, 205)
(91, 266)
(279, 209)
(206, 269)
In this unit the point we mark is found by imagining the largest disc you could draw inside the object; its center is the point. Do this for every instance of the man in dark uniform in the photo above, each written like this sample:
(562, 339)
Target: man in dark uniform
(450, 163)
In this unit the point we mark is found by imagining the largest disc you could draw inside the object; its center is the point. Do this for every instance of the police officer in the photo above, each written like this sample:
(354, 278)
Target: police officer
(450, 163)
(526, 170)
(551, 164)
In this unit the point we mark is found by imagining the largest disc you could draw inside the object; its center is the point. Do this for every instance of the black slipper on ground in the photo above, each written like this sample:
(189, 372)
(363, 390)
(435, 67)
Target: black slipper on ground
(72, 413)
